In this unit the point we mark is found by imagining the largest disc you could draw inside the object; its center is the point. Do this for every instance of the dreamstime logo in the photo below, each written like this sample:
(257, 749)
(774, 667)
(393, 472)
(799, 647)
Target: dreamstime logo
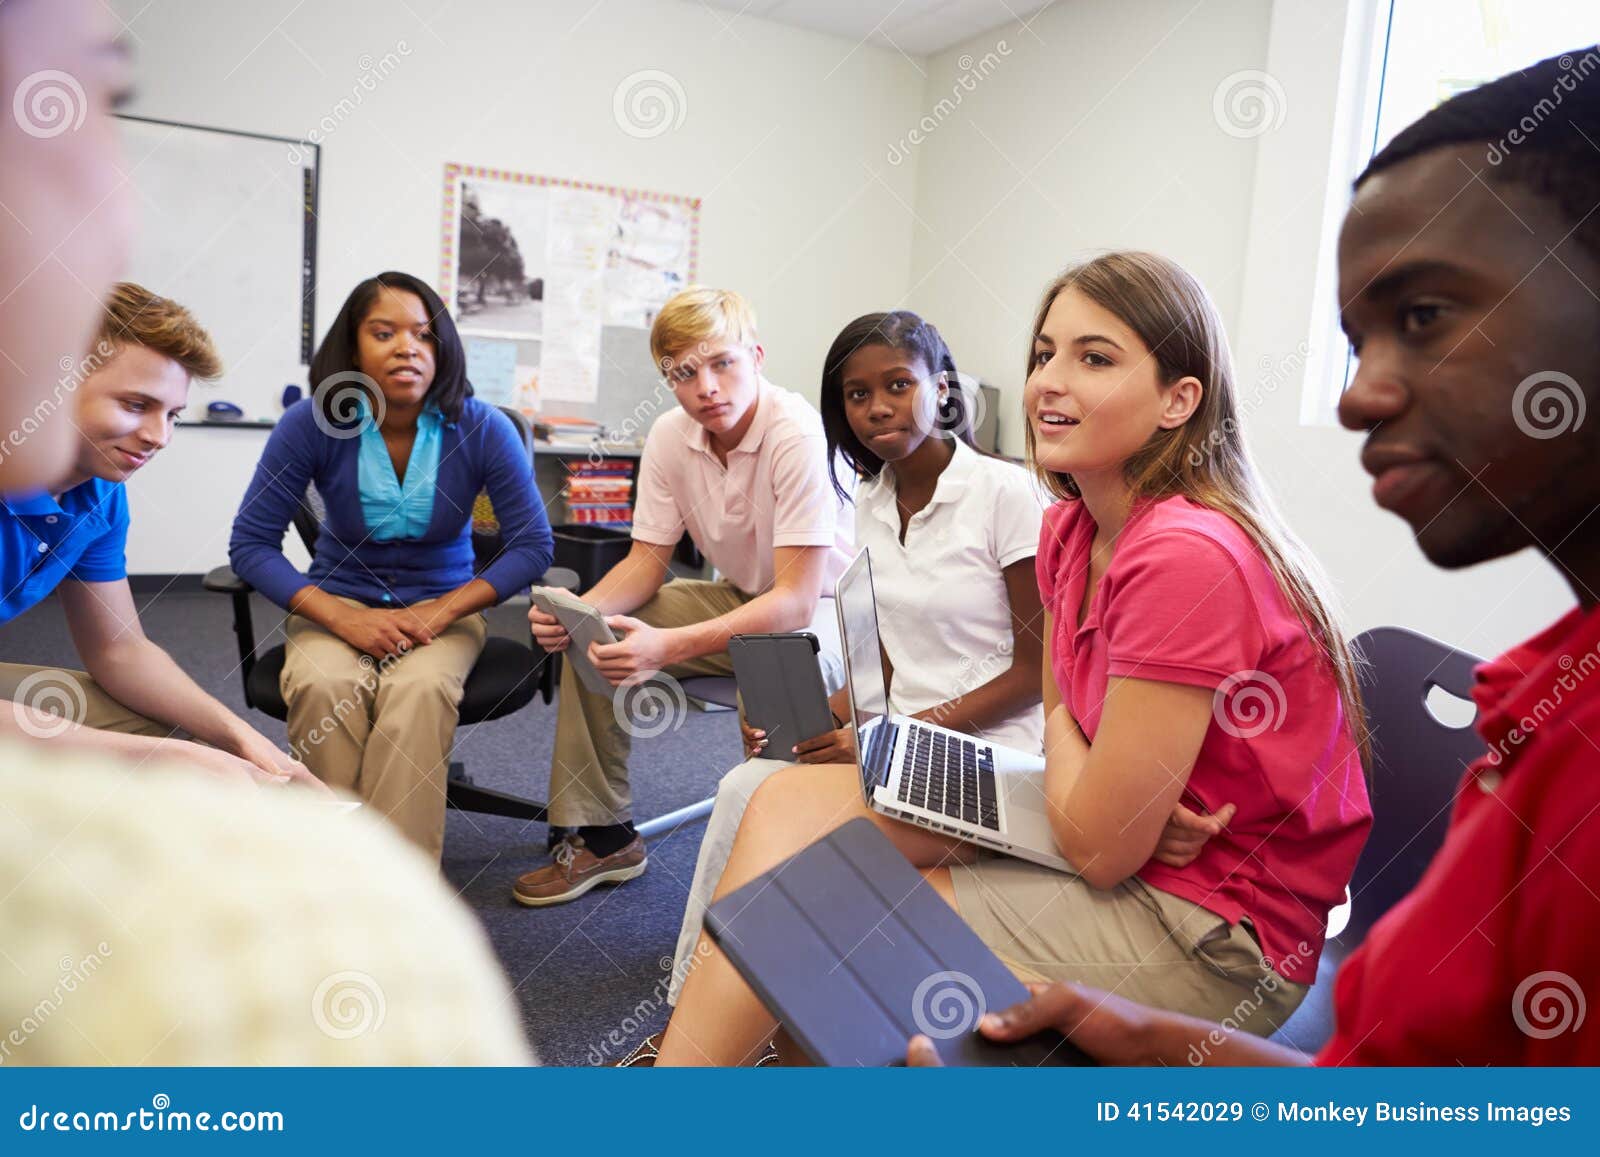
(974, 674)
(51, 693)
(332, 722)
(1244, 1012)
(372, 73)
(626, 435)
(972, 73)
(1548, 412)
(1274, 373)
(74, 372)
(347, 404)
(958, 415)
(347, 1005)
(1573, 72)
(1573, 672)
(1249, 103)
(1247, 703)
(646, 708)
(947, 1005)
(49, 103)
(649, 103)
(73, 974)
(1548, 1004)
(645, 1011)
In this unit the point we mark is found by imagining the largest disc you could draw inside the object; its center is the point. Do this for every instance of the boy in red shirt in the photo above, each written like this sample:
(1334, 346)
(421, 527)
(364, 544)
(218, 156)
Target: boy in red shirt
(1470, 288)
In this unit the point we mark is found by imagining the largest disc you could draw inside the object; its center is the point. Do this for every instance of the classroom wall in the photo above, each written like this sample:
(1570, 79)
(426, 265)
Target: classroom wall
(1098, 130)
(1092, 130)
(782, 136)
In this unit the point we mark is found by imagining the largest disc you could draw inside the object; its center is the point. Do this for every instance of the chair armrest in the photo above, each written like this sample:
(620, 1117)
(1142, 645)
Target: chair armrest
(225, 582)
(560, 576)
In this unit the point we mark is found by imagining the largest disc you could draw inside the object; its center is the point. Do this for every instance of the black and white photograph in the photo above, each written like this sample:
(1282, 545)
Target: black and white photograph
(501, 258)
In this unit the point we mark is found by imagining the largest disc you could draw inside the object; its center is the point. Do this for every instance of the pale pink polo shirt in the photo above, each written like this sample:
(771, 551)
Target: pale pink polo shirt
(773, 492)
(1188, 598)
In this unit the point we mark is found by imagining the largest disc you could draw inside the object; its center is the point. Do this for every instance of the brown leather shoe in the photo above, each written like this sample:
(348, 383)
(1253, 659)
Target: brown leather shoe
(576, 869)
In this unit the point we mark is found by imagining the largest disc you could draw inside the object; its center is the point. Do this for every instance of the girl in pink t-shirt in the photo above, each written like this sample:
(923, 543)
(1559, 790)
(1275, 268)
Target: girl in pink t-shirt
(1204, 768)
(1174, 593)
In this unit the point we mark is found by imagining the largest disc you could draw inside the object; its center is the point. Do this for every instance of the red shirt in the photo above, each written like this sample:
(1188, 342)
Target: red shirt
(1494, 956)
(1188, 598)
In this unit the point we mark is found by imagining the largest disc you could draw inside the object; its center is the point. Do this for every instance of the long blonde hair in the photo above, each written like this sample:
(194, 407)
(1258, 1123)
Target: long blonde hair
(1204, 459)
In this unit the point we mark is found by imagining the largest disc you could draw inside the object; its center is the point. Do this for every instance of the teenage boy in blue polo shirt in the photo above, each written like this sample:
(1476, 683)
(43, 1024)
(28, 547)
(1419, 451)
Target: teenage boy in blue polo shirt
(70, 539)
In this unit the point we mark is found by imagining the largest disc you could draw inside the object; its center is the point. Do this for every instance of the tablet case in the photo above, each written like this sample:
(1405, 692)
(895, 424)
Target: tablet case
(855, 953)
(584, 624)
(780, 688)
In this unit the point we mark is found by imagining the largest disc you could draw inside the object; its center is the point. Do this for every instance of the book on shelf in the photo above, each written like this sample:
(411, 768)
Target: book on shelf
(602, 467)
(554, 428)
(595, 514)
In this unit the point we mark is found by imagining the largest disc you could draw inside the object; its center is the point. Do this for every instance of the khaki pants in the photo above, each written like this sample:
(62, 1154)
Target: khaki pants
(74, 696)
(1139, 942)
(381, 730)
(589, 774)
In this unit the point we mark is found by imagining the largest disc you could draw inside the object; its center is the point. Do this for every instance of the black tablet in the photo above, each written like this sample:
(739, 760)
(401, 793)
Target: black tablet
(780, 688)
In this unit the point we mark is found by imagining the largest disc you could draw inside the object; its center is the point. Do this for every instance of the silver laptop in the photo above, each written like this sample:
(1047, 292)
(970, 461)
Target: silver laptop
(929, 775)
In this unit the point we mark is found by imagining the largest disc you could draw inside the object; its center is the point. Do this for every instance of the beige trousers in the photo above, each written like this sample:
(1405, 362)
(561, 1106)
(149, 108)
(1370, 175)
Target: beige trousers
(73, 696)
(381, 730)
(595, 732)
(1134, 940)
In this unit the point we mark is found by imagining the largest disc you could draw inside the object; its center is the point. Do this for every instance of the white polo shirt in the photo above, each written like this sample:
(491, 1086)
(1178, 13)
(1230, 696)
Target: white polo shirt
(943, 612)
(774, 491)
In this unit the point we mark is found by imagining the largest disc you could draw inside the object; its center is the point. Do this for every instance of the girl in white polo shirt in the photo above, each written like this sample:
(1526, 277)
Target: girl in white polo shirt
(952, 533)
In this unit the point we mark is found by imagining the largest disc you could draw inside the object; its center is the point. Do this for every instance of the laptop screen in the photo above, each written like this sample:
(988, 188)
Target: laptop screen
(863, 658)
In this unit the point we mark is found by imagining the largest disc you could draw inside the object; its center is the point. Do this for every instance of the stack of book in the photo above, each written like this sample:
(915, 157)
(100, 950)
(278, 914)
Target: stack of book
(566, 431)
(598, 491)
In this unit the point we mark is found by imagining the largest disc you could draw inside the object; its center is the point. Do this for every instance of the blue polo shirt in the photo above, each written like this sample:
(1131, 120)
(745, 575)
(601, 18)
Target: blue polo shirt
(45, 541)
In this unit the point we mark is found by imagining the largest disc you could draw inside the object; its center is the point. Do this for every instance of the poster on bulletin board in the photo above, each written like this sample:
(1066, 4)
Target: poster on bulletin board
(534, 268)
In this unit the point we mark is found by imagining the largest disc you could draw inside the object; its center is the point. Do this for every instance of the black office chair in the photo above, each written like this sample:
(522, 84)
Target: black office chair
(504, 679)
(1417, 764)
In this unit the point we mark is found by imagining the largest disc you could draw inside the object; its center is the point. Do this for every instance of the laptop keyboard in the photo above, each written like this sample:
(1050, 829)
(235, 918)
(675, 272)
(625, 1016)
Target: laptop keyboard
(949, 775)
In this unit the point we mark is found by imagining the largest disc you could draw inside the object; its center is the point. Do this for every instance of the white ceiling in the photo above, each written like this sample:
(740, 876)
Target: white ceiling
(915, 27)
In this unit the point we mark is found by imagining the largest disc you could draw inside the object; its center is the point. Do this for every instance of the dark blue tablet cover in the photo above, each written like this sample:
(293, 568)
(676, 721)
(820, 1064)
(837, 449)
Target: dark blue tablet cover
(853, 951)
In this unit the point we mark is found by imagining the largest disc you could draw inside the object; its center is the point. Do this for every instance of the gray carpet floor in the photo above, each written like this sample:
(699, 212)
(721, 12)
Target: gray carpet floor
(585, 974)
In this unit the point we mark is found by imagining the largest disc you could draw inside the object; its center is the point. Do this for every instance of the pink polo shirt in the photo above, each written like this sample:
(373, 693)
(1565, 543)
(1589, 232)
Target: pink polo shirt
(1189, 599)
(774, 491)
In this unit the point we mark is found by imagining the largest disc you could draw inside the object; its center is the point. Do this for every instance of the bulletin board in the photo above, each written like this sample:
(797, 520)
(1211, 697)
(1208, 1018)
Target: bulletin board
(554, 284)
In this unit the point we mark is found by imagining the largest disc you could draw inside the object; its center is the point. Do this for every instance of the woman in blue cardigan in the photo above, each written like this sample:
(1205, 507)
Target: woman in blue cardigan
(386, 625)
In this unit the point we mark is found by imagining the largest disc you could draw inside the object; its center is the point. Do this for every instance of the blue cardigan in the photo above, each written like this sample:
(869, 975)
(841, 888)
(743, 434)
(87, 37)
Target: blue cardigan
(480, 452)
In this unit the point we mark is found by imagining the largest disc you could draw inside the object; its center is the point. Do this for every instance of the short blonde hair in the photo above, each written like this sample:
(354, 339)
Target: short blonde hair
(700, 314)
(135, 316)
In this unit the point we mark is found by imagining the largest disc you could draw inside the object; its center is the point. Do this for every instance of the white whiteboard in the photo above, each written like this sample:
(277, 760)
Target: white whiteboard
(227, 227)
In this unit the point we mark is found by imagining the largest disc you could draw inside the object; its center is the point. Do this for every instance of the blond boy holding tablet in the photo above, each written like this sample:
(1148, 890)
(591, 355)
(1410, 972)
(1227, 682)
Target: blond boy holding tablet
(741, 466)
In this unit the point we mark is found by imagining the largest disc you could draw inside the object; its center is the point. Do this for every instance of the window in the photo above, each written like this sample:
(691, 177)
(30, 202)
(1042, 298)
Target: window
(1417, 54)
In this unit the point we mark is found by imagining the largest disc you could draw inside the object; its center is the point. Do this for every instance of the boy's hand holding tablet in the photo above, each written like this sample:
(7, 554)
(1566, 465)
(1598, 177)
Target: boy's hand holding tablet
(559, 618)
(641, 652)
